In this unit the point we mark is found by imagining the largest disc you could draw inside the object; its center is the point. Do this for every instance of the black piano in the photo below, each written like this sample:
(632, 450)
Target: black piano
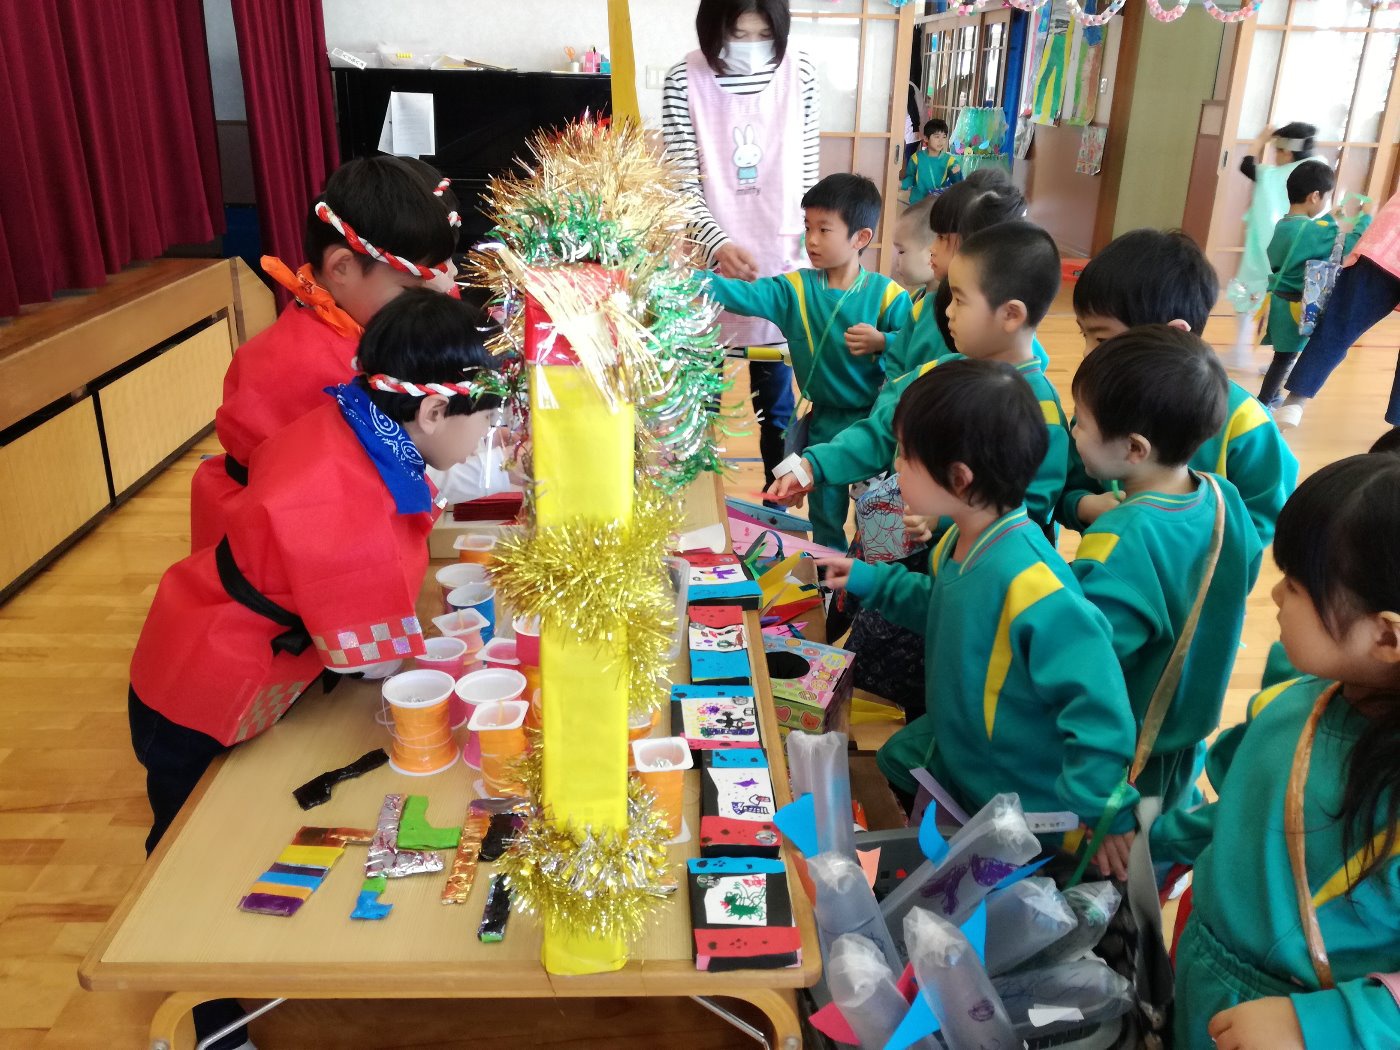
(482, 119)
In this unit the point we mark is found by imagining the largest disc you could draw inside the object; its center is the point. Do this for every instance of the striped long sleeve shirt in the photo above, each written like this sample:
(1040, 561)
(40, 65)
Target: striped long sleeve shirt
(679, 133)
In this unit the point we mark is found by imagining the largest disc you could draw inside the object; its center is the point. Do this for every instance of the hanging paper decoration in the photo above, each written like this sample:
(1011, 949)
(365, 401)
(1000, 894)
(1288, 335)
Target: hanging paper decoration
(1160, 13)
(1229, 17)
(1102, 18)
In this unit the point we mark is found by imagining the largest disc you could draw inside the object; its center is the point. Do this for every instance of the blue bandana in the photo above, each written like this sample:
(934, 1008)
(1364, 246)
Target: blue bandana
(389, 448)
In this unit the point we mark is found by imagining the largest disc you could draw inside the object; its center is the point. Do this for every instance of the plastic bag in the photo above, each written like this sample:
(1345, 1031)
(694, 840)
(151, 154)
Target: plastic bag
(955, 983)
(1026, 917)
(819, 765)
(1094, 905)
(993, 844)
(863, 988)
(846, 904)
(1087, 986)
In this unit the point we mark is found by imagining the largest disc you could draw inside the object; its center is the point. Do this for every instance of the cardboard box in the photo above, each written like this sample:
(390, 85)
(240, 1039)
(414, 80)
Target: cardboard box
(811, 684)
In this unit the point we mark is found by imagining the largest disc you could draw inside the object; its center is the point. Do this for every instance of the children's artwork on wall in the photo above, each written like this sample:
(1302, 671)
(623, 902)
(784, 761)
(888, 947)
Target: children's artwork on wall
(1051, 62)
(1085, 69)
(1091, 145)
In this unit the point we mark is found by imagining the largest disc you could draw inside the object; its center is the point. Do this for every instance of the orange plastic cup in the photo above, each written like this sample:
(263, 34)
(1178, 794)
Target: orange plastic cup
(500, 726)
(661, 765)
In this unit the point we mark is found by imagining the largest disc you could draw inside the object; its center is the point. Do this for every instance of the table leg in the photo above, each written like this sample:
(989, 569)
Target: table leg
(777, 1005)
(172, 1028)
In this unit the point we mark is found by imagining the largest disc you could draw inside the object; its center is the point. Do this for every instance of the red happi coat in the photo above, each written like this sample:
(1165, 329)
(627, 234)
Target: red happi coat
(275, 378)
(317, 532)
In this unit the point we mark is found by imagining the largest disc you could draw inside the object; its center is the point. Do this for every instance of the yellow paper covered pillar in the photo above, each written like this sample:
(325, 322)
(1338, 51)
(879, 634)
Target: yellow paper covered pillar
(583, 467)
(624, 63)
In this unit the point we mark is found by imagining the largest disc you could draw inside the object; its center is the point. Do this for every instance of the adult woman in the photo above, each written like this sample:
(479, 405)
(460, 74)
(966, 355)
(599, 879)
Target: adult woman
(1293, 144)
(742, 116)
(1366, 292)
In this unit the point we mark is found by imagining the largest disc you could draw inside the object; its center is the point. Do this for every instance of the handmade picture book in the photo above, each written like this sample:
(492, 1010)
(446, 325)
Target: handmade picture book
(742, 915)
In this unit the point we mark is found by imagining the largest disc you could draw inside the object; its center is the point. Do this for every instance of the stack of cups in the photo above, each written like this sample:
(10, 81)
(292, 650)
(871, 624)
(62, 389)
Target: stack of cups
(493, 685)
(419, 722)
(449, 655)
(458, 574)
(527, 652)
(500, 727)
(476, 550)
(661, 765)
(477, 597)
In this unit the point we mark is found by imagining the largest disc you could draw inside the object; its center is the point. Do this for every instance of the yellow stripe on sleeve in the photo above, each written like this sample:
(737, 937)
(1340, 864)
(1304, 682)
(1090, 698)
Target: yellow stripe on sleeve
(795, 279)
(1344, 879)
(1269, 695)
(1247, 417)
(1051, 411)
(1096, 546)
(1029, 587)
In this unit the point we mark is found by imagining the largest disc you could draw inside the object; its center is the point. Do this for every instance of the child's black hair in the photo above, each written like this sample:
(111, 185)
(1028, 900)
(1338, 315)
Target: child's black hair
(979, 413)
(1157, 381)
(423, 336)
(1015, 260)
(1149, 277)
(935, 126)
(854, 197)
(1389, 442)
(941, 300)
(390, 204)
(1299, 129)
(1310, 178)
(715, 20)
(1336, 540)
(983, 199)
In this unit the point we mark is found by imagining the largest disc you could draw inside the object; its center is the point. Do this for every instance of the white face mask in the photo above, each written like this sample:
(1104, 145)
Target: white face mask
(743, 58)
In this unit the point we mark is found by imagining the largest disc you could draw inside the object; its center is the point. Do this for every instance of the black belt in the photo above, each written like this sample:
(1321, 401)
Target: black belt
(295, 638)
(1290, 297)
(235, 470)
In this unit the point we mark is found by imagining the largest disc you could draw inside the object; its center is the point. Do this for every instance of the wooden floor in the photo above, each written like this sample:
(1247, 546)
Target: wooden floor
(73, 810)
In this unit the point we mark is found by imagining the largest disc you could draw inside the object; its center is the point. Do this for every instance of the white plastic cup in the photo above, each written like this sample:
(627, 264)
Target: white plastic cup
(494, 684)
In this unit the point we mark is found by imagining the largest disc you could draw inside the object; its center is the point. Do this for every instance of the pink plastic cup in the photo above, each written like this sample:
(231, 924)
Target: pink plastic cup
(527, 640)
(499, 652)
(482, 687)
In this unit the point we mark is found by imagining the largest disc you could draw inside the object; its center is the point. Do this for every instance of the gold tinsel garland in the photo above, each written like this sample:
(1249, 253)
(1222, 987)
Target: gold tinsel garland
(597, 581)
(585, 881)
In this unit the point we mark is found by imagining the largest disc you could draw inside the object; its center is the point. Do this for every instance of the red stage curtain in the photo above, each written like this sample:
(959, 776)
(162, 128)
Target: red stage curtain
(107, 145)
(291, 115)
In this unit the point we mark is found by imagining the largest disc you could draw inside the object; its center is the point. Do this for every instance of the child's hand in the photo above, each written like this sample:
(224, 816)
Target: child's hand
(1111, 855)
(838, 572)
(787, 490)
(1091, 508)
(1261, 1024)
(862, 340)
(917, 527)
(736, 262)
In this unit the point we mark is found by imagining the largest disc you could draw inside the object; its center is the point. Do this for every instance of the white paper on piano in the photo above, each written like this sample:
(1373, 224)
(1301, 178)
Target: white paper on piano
(408, 125)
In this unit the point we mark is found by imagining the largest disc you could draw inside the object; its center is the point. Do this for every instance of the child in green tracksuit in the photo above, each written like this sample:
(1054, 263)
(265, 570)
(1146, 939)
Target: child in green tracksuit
(1244, 974)
(818, 311)
(1024, 694)
(1145, 400)
(932, 169)
(1023, 275)
(1123, 287)
(1306, 234)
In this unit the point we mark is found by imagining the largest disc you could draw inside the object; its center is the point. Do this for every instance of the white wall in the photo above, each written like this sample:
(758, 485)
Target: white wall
(527, 34)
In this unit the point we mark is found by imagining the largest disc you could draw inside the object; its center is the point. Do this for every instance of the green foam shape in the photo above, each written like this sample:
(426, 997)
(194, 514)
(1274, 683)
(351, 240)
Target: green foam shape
(416, 833)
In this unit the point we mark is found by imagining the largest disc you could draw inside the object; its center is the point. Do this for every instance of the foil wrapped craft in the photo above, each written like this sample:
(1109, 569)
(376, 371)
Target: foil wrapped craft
(384, 857)
(480, 813)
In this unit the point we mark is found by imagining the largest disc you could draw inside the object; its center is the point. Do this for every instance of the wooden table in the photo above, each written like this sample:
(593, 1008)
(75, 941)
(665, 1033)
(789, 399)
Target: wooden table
(179, 930)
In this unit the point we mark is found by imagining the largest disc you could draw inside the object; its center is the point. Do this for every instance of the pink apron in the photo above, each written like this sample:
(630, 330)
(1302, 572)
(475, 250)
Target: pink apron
(750, 155)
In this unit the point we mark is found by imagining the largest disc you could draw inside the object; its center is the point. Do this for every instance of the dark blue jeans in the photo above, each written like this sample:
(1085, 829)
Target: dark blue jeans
(175, 758)
(1363, 296)
(770, 386)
